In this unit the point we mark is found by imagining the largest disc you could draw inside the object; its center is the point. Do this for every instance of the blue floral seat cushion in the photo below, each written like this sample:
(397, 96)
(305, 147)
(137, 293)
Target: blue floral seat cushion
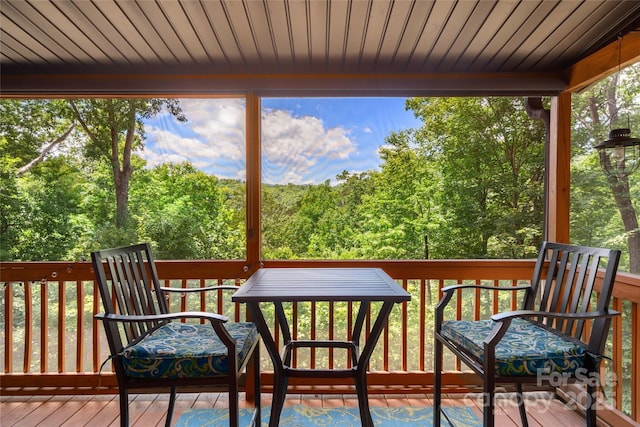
(524, 350)
(184, 350)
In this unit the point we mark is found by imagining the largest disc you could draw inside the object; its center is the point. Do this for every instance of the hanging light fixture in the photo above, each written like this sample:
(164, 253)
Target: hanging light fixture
(620, 154)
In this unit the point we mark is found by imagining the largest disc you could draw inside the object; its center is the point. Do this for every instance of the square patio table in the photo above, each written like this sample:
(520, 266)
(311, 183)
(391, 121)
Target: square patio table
(279, 285)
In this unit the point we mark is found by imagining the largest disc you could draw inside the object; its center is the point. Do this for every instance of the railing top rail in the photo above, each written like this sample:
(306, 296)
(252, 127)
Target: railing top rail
(627, 284)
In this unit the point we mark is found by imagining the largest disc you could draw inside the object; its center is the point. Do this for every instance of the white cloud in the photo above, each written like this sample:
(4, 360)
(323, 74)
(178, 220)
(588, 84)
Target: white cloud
(211, 139)
(295, 149)
(301, 146)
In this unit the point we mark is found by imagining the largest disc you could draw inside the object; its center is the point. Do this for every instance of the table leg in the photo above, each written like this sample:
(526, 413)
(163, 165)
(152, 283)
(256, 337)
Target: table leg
(363, 397)
(357, 327)
(360, 378)
(280, 381)
(283, 325)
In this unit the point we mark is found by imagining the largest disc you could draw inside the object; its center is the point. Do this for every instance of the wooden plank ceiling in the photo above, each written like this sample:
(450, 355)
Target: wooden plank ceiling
(261, 44)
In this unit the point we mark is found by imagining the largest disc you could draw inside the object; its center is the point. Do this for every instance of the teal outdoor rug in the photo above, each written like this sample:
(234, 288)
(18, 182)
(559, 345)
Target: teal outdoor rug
(303, 416)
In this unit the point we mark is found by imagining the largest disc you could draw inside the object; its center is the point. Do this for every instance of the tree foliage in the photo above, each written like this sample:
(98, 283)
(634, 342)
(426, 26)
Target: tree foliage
(489, 158)
(114, 129)
(604, 209)
(467, 183)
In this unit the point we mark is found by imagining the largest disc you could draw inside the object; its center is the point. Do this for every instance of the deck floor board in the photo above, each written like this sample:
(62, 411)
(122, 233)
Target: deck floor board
(149, 409)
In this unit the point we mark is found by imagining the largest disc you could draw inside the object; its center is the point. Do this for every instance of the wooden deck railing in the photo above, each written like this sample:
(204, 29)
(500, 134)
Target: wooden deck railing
(52, 344)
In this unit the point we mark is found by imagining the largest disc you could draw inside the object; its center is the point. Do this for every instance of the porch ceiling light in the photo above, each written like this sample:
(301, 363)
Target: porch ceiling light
(620, 154)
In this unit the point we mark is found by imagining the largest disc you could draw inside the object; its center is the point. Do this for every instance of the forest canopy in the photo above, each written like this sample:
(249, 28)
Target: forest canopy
(466, 182)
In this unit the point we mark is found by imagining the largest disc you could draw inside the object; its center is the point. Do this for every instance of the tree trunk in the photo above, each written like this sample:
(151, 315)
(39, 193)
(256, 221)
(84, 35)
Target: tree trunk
(620, 189)
(110, 146)
(122, 172)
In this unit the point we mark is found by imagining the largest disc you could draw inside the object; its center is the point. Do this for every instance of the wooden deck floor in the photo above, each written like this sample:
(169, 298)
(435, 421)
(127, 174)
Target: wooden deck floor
(148, 410)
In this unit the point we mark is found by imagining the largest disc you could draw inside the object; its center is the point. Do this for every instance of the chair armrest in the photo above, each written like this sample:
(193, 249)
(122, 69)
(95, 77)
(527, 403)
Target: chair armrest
(159, 317)
(508, 315)
(503, 321)
(452, 288)
(448, 293)
(217, 322)
(208, 288)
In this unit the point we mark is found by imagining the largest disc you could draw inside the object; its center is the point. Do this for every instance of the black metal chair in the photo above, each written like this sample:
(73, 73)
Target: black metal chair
(150, 349)
(547, 339)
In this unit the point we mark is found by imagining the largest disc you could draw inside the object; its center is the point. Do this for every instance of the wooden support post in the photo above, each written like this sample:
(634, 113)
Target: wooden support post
(253, 170)
(559, 173)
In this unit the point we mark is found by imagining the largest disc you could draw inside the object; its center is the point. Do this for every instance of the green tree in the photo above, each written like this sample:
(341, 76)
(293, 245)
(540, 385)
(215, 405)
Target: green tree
(489, 157)
(397, 213)
(279, 205)
(181, 211)
(30, 130)
(316, 202)
(50, 217)
(611, 103)
(114, 129)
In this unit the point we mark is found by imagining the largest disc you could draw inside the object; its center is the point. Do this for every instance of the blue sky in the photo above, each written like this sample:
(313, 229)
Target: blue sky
(305, 140)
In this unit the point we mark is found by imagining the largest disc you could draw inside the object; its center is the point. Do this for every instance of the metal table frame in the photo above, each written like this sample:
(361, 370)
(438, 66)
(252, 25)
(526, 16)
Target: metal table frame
(278, 285)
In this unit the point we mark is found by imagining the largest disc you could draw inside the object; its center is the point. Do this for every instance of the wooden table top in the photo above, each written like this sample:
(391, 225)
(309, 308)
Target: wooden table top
(320, 284)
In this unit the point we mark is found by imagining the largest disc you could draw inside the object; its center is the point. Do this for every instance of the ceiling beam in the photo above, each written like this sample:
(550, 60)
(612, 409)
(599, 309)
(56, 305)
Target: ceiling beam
(623, 52)
(487, 84)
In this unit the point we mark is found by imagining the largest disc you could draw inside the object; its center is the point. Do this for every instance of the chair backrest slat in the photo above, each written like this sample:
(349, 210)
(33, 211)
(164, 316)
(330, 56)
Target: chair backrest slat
(570, 285)
(572, 264)
(546, 290)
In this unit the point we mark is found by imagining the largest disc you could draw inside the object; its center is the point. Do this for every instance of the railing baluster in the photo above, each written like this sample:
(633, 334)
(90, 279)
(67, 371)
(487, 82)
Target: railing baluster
(237, 305)
(294, 333)
(219, 298)
(616, 332)
(95, 329)
(276, 333)
(28, 328)
(349, 328)
(331, 333)
(405, 324)
(423, 321)
(458, 363)
(183, 298)
(312, 356)
(62, 326)
(44, 326)
(477, 300)
(203, 298)
(367, 329)
(514, 296)
(80, 327)
(384, 348)
(635, 361)
(8, 328)
(496, 299)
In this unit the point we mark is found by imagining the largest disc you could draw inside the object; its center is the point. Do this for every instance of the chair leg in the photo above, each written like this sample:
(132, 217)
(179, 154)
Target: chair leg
(124, 407)
(437, 382)
(521, 407)
(256, 385)
(172, 404)
(590, 409)
(233, 402)
(489, 397)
